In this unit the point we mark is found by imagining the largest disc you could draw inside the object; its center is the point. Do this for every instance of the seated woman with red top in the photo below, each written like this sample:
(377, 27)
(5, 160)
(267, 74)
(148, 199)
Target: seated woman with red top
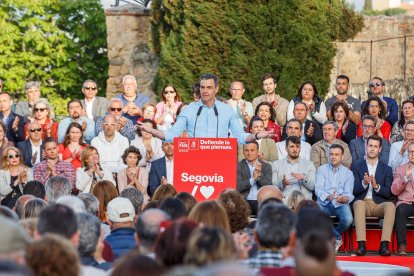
(346, 128)
(71, 148)
(42, 112)
(266, 112)
(375, 107)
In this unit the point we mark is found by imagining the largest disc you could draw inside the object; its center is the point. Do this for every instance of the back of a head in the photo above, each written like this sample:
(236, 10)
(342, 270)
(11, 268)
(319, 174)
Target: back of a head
(209, 245)
(174, 207)
(135, 264)
(210, 213)
(237, 209)
(34, 188)
(267, 192)
(170, 247)
(13, 238)
(8, 213)
(188, 200)
(20, 202)
(90, 231)
(53, 255)
(91, 203)
(163, 192)
(104, 191)
(136, 198)
(294, 198)
(57, 219)
(72, 202)
(313, 220)
(269, 233)
(314, 255)
(147, 226)
(57, 186)
(33, 208)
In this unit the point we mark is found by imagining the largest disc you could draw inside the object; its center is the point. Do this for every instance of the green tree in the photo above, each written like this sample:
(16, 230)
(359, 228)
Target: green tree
(36, 43)
(241, 40)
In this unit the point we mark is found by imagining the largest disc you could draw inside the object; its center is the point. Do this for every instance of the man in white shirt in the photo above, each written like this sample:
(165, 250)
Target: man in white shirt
(110, 145)
(252, 174)
(294, 128)
(93, 106)
(292, 172)
(243, 108)
(399, 150)
(373, 197)
(31, 148)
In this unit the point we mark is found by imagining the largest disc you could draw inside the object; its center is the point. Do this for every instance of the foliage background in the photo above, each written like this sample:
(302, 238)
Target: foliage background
(57, 42)
(241, 40)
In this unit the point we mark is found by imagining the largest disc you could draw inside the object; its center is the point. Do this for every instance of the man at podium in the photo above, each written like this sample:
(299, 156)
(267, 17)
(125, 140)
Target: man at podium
(207, 118)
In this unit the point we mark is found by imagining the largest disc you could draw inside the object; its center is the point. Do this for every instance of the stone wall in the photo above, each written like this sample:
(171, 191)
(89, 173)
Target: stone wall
(390, 56)
(128, 29)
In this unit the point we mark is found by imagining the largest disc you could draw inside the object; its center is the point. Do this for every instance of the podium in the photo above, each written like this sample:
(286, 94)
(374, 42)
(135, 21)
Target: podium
(204, 167)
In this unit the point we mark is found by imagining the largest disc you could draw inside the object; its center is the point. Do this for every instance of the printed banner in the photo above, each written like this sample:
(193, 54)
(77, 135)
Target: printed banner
(204, 167)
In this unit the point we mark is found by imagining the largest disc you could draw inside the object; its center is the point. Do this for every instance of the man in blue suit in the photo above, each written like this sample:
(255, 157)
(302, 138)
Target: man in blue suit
(31, 148)
(373, 197)
(162, 170)
(358, 146)
(14, 122)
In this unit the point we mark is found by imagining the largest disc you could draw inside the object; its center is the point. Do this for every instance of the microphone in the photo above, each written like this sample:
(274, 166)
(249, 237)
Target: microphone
(216, 113)
(198, 114)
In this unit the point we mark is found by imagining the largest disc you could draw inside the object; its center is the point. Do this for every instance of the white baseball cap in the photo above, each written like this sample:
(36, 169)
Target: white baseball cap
(120, 210)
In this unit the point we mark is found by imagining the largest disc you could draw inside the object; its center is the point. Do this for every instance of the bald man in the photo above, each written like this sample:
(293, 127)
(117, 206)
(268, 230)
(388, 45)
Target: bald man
(267, 192)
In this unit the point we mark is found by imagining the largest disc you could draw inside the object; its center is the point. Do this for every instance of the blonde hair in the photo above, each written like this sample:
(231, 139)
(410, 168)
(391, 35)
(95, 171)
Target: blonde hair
(86, 153)
(5, 162)
(210, 213)
(294, 198)
(49, 107)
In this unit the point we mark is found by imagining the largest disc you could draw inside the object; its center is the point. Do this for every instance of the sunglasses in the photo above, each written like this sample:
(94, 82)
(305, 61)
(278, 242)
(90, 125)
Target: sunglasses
(168, 92)
(39, 109)
(11, 156)
(375, 84)
(35, 129)
(116, 109)
(90, 88)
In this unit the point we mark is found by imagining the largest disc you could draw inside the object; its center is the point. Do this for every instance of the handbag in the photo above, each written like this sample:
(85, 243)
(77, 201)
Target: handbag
(11, 198)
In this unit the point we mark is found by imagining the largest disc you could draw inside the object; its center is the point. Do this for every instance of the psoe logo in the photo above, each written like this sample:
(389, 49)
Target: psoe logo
(183, 145)
(193, 144)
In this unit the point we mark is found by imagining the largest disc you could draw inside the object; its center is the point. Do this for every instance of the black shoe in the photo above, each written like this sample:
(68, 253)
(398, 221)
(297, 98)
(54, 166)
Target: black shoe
(362, 250)
(384, 250)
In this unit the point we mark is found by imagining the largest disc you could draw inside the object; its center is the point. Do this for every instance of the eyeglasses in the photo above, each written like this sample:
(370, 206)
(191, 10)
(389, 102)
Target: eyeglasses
(109, 124)
(169, 92)
(90, 88)
(411, 152)
(368, 127)
(35, 129)
(375, 84)
(116, 109)
(373, 106)
(39, 109)
(11, 156)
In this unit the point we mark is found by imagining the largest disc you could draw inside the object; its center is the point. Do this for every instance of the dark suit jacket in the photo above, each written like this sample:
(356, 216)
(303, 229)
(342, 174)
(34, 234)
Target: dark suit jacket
(99, 106)
(157, 171)
(383, 176)
(317, 132)
(26, 149)
(18, 136)
(357, 148)
(351, 133)
(243, 177)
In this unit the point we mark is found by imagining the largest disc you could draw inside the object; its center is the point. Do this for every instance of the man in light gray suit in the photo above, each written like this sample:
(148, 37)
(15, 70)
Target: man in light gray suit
(252, 174)
(93, 106)
(358, 146)
(293, 172)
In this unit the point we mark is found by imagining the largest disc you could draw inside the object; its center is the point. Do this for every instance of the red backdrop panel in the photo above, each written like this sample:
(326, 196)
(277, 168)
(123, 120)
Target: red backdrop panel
(204, 167)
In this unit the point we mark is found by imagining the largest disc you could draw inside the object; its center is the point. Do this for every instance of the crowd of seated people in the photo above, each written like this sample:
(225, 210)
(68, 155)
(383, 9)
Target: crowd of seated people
(99, 192)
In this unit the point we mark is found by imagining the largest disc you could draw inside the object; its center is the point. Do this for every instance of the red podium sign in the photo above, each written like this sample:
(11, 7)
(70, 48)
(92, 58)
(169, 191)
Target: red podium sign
(204, 167)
